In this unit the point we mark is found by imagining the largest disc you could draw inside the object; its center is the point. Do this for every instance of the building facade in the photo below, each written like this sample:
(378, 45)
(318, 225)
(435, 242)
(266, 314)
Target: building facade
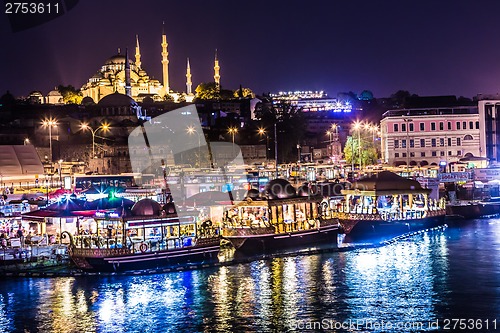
(489, 115)
(431, 136)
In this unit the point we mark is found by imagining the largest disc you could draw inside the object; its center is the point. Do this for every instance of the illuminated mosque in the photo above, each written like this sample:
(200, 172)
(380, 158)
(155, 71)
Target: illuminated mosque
(119, 74)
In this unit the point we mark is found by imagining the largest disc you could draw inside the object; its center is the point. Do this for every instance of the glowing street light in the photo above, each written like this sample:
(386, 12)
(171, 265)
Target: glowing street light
(262, 132)
(357, 127)
(191, 130)
(104, 127)
(49, 122)
(233, 131)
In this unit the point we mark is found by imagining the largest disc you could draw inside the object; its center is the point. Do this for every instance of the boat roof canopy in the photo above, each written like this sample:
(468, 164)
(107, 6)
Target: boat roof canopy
(384, 183)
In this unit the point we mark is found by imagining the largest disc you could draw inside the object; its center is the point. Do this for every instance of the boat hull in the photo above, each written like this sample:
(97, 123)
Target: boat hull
(107, 260)
(271, 242)
(474, 210)
(358, 228)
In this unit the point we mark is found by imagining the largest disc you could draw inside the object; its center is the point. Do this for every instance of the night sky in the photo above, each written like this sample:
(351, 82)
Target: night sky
(427, 47)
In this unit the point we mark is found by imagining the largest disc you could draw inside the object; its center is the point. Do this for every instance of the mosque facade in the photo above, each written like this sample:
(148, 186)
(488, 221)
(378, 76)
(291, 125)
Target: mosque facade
(120, 74)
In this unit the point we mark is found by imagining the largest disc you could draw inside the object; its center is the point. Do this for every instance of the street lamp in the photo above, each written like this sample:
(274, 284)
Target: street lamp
(26, 141)
(60, 173)
(103, 127)
(357, 127)
(262, 132)
(50, 122)
(191, 130)
(232, 131)
(335, 129)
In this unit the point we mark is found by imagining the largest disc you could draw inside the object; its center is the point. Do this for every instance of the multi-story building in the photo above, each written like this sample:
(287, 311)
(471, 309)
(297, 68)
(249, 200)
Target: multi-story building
(489, 115)
(431, 136)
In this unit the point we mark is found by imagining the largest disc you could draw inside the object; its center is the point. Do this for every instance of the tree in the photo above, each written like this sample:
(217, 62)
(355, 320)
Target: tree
(181, 99)
(168, 98)
(354, 146)
(70, 94)
(208, 90)
(290, 125)
(244, 93)
(366, 95)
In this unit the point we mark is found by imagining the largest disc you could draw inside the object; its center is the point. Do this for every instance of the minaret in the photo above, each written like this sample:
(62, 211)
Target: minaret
(189, 83)
(216, 70)
(164, 60)
(128, 87)
(137, 53)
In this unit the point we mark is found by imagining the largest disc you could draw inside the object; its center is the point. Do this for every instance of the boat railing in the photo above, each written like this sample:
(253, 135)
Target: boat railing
(116, 245)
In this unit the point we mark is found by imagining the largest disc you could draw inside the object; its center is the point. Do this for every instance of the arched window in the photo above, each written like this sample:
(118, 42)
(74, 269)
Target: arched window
(468, 137)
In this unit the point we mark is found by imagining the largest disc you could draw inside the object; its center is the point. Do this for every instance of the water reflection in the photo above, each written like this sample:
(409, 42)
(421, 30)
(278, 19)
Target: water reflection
(396, 282)
(419, 279)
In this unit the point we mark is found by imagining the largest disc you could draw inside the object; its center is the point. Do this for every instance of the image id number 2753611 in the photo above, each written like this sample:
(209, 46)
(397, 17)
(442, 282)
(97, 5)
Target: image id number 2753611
(31, 8)
(469, 324)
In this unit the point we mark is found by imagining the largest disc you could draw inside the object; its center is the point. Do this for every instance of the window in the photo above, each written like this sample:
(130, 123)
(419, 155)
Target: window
(403, 143)
(441, 142)
(403, 127)
(449, 142)
(412, 154)
(433, 142)
(459, 153)
(458, 125)
(449, 153)
(422, 143)
(411, 127)
(449, 126)
(458, 142)
(404, 154)
(468, 137)
(477, 124)
(441, 126)
(396, 154)
(422, 154)
(412, 143)
(396, 128)
(396, 143)
(441, 153)
(434, 153)
(471, 125)
(422, 126)
(433, 126)
(464, 125)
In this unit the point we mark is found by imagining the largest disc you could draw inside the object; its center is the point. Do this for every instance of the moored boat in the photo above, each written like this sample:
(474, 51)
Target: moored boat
(387, 204)
(473, 209)
(149, 237)
(279, 219)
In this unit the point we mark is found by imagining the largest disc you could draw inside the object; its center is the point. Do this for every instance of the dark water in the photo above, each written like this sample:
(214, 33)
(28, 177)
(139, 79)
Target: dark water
(412, 285)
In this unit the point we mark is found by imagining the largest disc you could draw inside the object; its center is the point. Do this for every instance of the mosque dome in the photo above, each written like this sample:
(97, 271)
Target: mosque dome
(117, 60)
(87, 101)
(117, 99)
(279, 189)
(146, 207)
(54, 93)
